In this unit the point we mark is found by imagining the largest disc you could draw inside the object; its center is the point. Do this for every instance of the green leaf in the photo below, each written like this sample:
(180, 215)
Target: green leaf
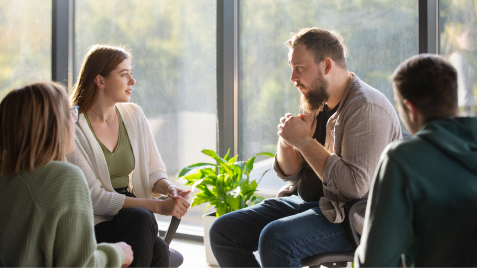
(208, 172)
(239, 168)
(239, 164)
(233, 199)
(253, 185)
(219, 185)
(249, 165)
(235, 192)
(200, 198)
(221, 209)
(245, 185)
(266, 154)
(191, 179)
(263, 175)
(220, 161)
(201, 187)
(233, 159)
(194, 167)
(214, 156)
(196, 183)
(226, 157)
(247, 195)
(243, 204)
(228, 170)
(209, 180)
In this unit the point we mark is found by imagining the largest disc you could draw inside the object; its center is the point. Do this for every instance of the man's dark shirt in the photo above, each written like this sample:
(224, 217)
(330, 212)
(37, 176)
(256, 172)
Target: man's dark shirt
(310, 186)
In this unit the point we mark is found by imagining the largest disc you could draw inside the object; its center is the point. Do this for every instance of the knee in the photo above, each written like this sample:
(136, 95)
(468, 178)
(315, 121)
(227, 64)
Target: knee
(175, 258)
(141, 217)
(272, 236)
(141, 213)
(160, 246)
(218, 230)
(161, 257)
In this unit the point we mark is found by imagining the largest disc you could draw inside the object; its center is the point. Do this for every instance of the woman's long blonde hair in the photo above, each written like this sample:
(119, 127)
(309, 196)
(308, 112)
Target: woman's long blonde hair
(100, 59)
(33, 121)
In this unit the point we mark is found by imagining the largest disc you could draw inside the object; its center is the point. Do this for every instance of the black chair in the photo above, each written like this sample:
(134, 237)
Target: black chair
(340, 259)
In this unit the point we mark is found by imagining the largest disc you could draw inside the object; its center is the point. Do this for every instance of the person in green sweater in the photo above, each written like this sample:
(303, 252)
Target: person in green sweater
(46, 215)
(421, 209)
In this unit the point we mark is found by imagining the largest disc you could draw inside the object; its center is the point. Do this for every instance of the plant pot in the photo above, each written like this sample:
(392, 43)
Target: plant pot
(207, 221)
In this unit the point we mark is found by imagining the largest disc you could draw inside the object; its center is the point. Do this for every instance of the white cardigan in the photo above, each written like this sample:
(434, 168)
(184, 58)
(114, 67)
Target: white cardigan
(88, 155)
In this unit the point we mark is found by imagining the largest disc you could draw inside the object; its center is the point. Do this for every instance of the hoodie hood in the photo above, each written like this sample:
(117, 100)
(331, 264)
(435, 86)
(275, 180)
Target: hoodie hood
(455, 136)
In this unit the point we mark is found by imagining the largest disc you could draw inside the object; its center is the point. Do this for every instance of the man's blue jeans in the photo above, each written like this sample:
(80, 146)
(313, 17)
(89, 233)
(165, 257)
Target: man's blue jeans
(284, 231)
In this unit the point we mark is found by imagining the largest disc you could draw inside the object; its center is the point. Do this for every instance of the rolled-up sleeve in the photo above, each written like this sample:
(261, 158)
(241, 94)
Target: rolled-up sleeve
(366, 132)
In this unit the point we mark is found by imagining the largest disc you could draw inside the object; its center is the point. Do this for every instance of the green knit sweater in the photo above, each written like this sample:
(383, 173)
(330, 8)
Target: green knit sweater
(46, 219)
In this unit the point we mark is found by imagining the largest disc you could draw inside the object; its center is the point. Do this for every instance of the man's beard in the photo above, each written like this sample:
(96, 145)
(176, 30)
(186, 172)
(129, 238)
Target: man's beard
(315, 96)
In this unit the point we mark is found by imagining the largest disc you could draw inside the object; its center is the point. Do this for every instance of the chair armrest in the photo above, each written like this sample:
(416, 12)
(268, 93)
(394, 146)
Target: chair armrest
(350, 209)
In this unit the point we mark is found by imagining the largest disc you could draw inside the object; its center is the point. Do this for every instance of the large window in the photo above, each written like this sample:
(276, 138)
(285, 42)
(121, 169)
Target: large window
(458, 25)
(379, 35)
(25, 43)
(173, 44)
(174, 47)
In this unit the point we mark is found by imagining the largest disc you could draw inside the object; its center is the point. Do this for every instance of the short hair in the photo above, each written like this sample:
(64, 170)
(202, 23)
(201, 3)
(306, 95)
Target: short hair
(100, 59)
(429, 82)
(33, 121)
(322, 43)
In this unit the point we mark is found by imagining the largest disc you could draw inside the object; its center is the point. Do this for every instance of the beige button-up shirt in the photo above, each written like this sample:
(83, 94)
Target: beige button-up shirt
(356, 135)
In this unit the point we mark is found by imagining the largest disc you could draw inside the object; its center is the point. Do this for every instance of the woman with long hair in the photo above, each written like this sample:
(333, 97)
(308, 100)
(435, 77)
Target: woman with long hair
(45, 207)
(115, 149)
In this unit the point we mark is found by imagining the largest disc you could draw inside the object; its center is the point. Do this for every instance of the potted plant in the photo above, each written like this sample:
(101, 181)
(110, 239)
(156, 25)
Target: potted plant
(225, 185)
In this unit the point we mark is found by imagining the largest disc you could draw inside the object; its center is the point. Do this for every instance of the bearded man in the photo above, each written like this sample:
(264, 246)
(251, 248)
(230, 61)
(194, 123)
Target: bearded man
(328, 154)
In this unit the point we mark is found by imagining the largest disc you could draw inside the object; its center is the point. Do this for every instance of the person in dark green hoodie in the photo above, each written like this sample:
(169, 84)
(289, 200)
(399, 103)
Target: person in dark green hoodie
(423, 201)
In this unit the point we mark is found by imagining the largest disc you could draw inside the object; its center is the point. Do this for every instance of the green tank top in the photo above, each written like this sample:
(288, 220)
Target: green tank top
(121, 161)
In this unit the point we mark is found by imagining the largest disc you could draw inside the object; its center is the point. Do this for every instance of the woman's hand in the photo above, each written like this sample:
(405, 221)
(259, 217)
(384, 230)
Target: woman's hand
(165, 187)
(174, 192)
(176, 207)
(169, 207)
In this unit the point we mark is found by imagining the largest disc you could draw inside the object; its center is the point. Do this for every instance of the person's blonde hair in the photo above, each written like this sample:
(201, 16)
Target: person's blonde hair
(100, 59)
(321, 43)
(33, 121)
